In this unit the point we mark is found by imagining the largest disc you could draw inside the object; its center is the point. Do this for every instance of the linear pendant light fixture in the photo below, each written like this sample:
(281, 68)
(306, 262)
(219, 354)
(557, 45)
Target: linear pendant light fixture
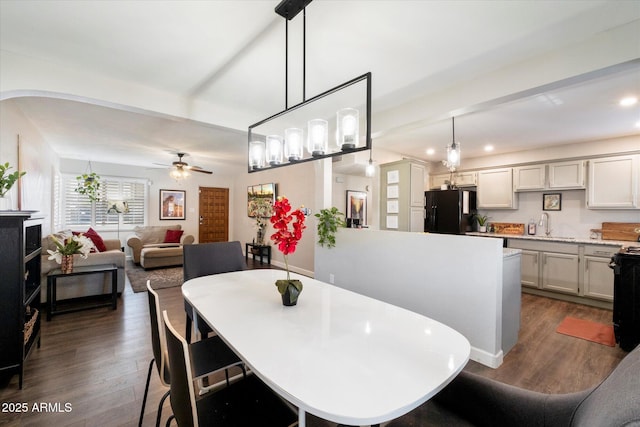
(302, 133)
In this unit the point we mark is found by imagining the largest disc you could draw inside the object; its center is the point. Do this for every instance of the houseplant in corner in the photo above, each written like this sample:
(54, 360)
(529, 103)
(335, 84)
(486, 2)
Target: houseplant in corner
(287, 241)
(328, 222)
(6, 182)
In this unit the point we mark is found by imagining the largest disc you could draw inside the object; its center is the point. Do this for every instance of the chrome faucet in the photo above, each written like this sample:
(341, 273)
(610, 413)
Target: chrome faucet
(544, 220)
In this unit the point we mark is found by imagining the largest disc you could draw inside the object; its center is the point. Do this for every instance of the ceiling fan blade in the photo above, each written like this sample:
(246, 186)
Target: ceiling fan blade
(197, 169)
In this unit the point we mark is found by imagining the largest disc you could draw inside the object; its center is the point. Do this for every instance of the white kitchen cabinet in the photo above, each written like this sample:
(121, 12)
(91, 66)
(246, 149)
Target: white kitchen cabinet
(529, 178)
(495, 189)
(417, 184)
(597, 276)
(613, 183)
(560, 272)
(530, 269)
(402, 186)
(566, 175)
(416, 220)
(460, 179)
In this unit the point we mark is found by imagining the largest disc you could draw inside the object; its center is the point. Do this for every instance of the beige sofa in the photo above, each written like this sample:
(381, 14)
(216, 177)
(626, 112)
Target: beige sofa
(149, 250)
(84, 285)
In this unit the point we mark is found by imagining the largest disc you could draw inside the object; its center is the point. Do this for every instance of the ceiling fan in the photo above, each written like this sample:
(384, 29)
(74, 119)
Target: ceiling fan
(181, 168)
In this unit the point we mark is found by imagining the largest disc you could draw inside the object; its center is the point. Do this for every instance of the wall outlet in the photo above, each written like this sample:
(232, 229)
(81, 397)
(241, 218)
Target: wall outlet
(332, 278)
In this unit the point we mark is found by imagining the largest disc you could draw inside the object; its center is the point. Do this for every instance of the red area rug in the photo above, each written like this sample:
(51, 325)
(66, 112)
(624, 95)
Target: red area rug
(587, 330)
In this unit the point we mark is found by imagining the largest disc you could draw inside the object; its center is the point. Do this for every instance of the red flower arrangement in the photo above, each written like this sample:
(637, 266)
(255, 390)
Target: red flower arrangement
(285, 238)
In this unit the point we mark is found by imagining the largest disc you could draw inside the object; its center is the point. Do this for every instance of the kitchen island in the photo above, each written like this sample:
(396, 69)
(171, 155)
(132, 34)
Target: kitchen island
(460, 281)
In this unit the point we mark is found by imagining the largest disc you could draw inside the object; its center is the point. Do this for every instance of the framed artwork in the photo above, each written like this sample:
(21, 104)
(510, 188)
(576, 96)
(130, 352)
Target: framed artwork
(172, 204)
(392, 192)
(260, 199)
(552, 202)
(357, 206)
(393, 177)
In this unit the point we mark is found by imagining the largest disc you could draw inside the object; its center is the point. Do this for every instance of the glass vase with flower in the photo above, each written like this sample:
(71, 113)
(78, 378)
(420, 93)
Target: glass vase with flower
(287, 240)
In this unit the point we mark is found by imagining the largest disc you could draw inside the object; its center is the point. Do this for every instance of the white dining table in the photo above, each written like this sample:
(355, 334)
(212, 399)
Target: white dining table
(339, 355)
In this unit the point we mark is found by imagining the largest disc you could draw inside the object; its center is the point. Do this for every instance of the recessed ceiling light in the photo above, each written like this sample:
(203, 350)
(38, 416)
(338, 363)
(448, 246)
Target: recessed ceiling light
(628, 101)
(430, 151)
(488, 148)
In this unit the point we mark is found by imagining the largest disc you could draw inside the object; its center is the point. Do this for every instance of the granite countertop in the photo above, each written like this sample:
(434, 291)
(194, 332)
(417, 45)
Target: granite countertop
(576, 240)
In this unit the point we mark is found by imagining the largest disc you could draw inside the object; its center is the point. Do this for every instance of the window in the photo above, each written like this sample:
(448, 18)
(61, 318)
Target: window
(79, 211)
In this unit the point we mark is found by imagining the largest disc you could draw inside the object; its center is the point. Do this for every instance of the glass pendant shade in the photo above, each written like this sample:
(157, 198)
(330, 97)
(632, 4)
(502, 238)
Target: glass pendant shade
(453, 154)
(293, 143)
(317, 137)
(348, 121)
(370, 170)
(274, 149)
(256, 155)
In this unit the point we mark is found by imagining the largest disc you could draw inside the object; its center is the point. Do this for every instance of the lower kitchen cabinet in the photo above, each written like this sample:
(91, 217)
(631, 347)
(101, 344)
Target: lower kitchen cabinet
(530, 268)
(576, 272)
(560, 272)
(597, 276)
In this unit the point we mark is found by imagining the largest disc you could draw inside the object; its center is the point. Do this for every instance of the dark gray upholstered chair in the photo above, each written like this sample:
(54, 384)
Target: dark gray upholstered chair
(209, 355)
(205, 259)
(474, 400)
(248, 402)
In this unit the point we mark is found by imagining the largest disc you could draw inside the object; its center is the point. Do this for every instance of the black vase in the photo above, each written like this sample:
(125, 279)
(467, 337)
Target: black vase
(291, 293)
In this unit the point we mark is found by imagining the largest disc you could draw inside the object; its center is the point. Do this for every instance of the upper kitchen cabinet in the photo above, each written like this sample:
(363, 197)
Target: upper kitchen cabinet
(495, 189)
(529, 178)
(566, 175)
(613, 183)
(402, 196)
(459, 179)
(550, 176)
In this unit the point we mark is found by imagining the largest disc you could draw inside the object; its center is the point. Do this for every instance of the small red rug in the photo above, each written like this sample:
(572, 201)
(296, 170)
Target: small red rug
(587, 330)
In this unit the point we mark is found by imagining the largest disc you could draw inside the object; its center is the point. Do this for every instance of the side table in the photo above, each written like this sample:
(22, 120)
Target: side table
(52, 285)
(260, 250)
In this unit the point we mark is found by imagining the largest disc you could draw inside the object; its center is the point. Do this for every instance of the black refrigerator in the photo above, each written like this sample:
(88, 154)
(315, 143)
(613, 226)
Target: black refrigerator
(449, 211)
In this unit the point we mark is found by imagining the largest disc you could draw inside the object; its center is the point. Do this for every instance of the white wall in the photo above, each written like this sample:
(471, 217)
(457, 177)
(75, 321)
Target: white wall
(456, 280)
(37, 159)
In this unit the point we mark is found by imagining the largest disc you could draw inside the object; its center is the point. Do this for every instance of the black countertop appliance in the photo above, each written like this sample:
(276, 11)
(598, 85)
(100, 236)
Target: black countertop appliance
(626, 297)
(449, 211)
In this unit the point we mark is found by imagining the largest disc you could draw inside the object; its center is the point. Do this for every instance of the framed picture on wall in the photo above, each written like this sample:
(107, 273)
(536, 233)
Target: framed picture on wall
(356, 207)
(552, 202)
(173, 204)
(260, 199)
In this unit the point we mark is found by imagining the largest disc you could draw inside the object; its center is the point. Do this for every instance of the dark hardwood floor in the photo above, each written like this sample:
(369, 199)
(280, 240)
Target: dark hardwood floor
(96, 362)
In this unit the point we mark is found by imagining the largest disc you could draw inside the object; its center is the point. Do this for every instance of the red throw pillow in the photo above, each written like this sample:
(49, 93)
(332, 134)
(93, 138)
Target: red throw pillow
(96, 239)
(173, 236)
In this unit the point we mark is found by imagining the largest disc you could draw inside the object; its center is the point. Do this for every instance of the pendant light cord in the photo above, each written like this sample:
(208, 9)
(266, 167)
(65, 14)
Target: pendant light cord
(304, 54)
(286, 64)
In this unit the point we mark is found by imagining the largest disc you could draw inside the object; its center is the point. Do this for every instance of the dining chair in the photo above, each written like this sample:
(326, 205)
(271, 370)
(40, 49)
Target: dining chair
(205, 259)
(209, 355)
(248, 402)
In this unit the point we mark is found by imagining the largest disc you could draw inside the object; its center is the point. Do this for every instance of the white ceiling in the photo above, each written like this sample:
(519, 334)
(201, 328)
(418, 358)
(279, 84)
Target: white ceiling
(230, 54)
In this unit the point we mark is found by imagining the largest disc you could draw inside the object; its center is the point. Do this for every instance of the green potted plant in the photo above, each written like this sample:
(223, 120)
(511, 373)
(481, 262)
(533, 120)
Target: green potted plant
(328, 222)
(89, 185)
(482, 222)
(6, 182)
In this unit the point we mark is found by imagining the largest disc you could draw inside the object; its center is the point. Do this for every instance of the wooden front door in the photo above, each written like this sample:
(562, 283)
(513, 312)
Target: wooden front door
(214, 215)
